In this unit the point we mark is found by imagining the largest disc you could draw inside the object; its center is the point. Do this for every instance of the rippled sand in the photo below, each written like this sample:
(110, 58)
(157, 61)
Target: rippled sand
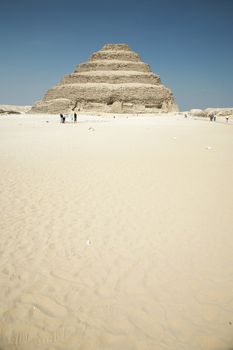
(116, 234)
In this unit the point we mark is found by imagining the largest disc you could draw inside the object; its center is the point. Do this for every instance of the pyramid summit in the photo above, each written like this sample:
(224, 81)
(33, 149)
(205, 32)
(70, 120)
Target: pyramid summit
(112, 80)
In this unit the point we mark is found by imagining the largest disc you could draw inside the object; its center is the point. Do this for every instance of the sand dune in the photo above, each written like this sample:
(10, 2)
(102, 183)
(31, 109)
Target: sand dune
(116, 234)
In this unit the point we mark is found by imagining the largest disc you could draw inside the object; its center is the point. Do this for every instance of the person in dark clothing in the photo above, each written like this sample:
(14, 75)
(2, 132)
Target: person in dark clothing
(61, 118)
(75, 118)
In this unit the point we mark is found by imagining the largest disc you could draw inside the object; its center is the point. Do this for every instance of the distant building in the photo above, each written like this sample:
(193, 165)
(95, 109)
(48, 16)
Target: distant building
(113, 80)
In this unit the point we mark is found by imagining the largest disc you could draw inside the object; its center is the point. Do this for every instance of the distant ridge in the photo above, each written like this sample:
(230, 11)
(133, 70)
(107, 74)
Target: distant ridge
(11, 109)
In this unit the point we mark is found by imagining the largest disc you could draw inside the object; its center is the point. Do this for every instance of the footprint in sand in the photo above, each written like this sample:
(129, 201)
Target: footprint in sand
(46, 305)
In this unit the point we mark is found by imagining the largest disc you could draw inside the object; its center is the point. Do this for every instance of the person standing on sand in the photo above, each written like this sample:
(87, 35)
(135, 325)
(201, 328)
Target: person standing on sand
(61, 118)
(227, 118)
(75, 118)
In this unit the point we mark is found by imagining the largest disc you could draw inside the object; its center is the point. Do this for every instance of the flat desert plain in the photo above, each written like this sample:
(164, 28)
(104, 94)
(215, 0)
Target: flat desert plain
(116, 233)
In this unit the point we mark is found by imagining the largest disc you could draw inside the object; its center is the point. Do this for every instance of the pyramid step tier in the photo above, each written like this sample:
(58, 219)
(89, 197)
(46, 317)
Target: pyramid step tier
(115, 55)
(112, 77)
(62, 105)
(116, 47)
(151, 94)
(104, 65)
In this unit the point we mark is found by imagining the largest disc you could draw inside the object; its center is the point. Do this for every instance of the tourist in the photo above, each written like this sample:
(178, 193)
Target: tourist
(75, 118)
(227, 118)
(61, 118)
(211, 116)
(214, 117)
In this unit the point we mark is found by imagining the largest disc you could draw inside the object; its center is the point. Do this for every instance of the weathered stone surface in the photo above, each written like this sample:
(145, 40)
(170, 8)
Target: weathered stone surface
(116, 77)
(113, 80)
(112, 66)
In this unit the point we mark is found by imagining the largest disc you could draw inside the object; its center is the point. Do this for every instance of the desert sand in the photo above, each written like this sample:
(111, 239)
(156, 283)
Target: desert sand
(116, 233)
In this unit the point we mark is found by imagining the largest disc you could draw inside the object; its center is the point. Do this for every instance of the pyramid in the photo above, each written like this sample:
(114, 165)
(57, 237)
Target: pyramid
(112, 80)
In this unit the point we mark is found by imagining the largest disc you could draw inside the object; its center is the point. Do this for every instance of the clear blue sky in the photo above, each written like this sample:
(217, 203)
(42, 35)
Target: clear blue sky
(189, 43)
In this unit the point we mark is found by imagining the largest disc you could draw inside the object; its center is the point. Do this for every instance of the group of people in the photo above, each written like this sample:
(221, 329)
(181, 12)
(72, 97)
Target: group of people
(212, 117)
(63, 118)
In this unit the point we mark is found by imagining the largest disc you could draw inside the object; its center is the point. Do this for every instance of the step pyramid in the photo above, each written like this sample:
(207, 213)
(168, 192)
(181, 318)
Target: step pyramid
(112, 80)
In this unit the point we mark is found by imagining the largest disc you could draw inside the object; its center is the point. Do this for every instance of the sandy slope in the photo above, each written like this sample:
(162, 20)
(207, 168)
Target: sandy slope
(118, 237)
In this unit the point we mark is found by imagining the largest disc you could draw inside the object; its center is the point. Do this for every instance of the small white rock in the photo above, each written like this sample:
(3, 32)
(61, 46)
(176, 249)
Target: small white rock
(208, 147)
(88, 242)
